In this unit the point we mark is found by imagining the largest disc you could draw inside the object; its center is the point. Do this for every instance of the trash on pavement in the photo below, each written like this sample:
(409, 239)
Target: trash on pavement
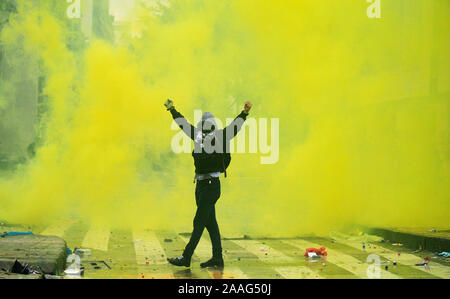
(97, 264)
(425, 261)
(318, 252)
(82, 252)
(21, 268)
(444, 254)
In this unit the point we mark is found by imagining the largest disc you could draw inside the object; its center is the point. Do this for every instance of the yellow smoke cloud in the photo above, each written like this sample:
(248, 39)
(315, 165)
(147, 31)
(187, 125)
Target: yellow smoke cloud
(362, 103)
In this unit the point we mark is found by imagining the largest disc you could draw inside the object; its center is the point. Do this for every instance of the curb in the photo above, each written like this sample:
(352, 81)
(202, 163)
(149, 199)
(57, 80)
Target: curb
(413, 241)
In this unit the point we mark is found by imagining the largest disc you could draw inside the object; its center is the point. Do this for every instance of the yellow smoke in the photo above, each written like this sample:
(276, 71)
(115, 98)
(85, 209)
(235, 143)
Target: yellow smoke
(362, 103)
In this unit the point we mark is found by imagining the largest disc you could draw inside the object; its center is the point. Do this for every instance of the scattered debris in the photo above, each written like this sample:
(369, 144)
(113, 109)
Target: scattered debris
(97, 264)
(247, 237)
(425, 261)
(321, 251)
(397, 244)
(82, 252)
(444, 254)
(12, 234)
(432, 230)
(168, 240)
(21, 268)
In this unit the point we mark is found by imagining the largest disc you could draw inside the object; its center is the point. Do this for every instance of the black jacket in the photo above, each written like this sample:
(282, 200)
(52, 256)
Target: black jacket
(211, 149)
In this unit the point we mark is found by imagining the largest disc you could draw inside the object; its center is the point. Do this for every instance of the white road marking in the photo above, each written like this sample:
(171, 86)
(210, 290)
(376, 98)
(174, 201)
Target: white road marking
(97, 238)
(148, 248)
(263, 252)
(58, 228)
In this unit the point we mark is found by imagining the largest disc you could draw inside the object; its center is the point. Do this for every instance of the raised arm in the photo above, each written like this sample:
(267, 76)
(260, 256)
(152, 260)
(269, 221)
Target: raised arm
(181, 121)
(236, 125)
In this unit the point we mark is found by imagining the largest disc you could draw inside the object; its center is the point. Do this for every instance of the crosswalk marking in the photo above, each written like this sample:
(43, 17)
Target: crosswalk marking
(340, 259)
(58, 228)
(148, 248)
(204, 252)
(97, 238)
(263, 252)
(404, 258)
(297, 272)
(203, 249)
(151, 259)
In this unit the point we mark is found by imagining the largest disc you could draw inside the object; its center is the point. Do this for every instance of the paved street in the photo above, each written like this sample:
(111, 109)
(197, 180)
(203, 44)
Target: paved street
(143, 253)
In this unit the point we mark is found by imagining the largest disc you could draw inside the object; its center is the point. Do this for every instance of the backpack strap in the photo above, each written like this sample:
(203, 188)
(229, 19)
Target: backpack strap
(223, 164)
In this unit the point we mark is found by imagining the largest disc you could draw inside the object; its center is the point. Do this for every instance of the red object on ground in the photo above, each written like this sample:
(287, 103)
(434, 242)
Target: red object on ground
(320, 251)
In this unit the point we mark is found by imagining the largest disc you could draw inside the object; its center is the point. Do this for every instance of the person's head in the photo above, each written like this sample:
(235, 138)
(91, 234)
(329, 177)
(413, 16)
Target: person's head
(208, 123)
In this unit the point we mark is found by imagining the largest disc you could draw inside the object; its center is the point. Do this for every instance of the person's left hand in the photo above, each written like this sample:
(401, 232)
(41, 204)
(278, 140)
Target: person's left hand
(247, 107)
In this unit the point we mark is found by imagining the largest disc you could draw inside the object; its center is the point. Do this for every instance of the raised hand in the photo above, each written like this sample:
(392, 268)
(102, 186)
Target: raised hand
(247, 107)
(169, 104)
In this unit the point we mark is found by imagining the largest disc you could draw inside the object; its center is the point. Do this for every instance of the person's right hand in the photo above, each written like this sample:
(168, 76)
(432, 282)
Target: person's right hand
(168, 104)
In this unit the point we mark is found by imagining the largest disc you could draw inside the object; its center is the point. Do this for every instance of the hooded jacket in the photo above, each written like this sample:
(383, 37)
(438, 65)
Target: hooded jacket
(211, 146)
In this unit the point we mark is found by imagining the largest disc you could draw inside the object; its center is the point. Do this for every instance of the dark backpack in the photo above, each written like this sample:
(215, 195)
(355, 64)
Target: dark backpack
(213, 162)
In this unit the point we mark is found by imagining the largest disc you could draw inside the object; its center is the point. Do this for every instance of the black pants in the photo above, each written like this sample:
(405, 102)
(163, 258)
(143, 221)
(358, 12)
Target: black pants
(207, 193)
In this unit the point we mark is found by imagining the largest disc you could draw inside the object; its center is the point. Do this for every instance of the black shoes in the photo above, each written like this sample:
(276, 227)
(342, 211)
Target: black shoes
(180, 261)
(214, 262)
